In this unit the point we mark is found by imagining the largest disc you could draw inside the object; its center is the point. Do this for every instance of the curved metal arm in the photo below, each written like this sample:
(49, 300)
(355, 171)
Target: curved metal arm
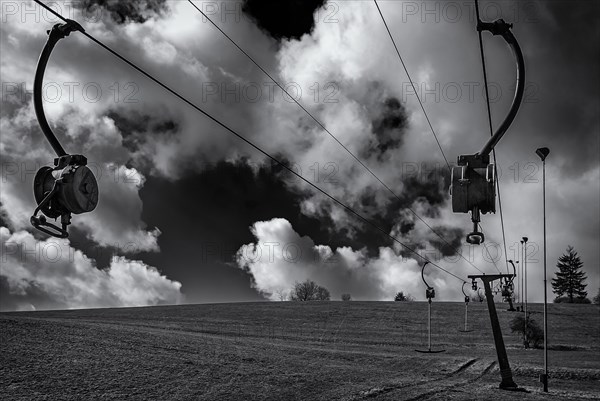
(423, 275)
(463, 289)
(514, 270)
(502, 28)
(57, 32)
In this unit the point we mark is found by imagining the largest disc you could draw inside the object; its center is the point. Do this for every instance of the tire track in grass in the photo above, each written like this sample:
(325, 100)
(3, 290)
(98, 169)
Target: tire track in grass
(452, 386)
(377, 391)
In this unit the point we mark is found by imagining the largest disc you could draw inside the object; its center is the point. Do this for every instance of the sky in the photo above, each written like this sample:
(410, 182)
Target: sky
(188, 213)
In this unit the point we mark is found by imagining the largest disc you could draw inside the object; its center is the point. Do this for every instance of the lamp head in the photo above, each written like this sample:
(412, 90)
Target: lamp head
(525, 239)
(542, 153)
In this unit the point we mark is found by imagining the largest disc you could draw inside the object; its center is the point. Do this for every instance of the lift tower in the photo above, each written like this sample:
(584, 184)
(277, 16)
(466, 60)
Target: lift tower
(505, 372)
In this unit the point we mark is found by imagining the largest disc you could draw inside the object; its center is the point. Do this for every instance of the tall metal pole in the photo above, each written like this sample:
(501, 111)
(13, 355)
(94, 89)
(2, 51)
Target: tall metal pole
(543, 153)
(522, 278)
(518, 285)
(525, 239)
(466, 312)
(545, 378)
(429, 326)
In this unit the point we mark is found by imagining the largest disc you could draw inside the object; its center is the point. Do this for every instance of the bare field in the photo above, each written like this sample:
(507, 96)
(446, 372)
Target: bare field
(284, 351)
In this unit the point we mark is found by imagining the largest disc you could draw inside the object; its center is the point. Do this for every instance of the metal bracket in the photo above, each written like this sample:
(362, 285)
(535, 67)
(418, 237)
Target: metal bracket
(58, 32)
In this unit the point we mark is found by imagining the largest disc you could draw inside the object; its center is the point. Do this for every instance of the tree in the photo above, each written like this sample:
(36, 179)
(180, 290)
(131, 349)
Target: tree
(400, 297)
(570, 278)
(309, 291)
(534, 335)
(281, 294)
(322, 294)
(597, 298)
(346, 297)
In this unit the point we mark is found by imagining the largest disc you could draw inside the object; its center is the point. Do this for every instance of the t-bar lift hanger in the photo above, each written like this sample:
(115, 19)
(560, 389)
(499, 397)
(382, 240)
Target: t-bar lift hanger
(70, 186)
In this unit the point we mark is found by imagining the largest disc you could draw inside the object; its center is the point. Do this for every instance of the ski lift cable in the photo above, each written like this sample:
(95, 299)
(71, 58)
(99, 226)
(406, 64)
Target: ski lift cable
(412, 84)
(250, 143)
(489, 115)
(488, 251)
(320, 124)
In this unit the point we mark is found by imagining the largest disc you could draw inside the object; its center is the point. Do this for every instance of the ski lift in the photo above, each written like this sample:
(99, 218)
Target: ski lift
(69, 187)
(508, 288)
(467, 299)
(429, 294)
(473, 182)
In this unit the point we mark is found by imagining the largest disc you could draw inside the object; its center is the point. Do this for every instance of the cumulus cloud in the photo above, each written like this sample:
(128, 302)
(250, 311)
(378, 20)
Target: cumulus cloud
(370, 109)
(52, 274)
(280, 257)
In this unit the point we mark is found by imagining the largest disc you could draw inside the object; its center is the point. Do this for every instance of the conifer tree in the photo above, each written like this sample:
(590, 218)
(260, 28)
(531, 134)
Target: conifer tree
(570, 278)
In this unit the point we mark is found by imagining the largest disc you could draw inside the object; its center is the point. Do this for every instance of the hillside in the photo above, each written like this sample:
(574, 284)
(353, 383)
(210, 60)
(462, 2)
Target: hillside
(281, 351)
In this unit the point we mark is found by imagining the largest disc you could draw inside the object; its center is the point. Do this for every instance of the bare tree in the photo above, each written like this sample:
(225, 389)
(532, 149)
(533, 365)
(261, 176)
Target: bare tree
(309, 291)
(282, 294)
(322, 294)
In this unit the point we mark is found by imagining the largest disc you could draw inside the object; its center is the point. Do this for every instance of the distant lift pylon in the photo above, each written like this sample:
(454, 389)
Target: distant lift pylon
(467, 299)
(429, 294)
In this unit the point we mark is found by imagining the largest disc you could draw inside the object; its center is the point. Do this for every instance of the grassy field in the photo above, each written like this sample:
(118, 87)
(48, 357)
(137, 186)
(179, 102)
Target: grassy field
(284, 351)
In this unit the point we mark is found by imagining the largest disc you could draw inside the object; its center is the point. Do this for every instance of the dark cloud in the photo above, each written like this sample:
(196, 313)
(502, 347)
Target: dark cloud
(453, 236)
(564, 113)
(137, 127)
(289, 19)
(390, 124)
(123, 12)
(205, 218)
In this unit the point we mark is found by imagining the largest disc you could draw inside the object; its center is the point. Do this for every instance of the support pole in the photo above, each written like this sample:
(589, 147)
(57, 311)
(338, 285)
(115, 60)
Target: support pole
(545, 377)
(505, 371)
(429, 326)
(525, 239)
(466, 312)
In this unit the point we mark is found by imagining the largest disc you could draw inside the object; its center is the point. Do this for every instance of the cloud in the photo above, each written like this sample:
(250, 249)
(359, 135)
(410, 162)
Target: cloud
(348, 60)
(52, 274)
(283, 19)
(280, 257)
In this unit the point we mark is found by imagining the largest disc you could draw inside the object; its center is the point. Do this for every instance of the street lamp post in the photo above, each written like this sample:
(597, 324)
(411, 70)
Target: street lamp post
(518, 285)
(543, 153)
(525, 239)
(522, 278)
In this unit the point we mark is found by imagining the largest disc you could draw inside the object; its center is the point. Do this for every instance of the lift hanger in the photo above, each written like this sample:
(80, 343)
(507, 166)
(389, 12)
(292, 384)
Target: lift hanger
(70, 186)
(467, 299)
(474, 179)
(429, 294)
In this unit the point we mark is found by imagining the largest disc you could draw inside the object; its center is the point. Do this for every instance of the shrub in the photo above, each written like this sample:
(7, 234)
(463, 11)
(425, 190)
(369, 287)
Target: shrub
(346, 297)
(567, 300)
(597, 298)
(535, 334)
(400, 297)
(322, 294)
